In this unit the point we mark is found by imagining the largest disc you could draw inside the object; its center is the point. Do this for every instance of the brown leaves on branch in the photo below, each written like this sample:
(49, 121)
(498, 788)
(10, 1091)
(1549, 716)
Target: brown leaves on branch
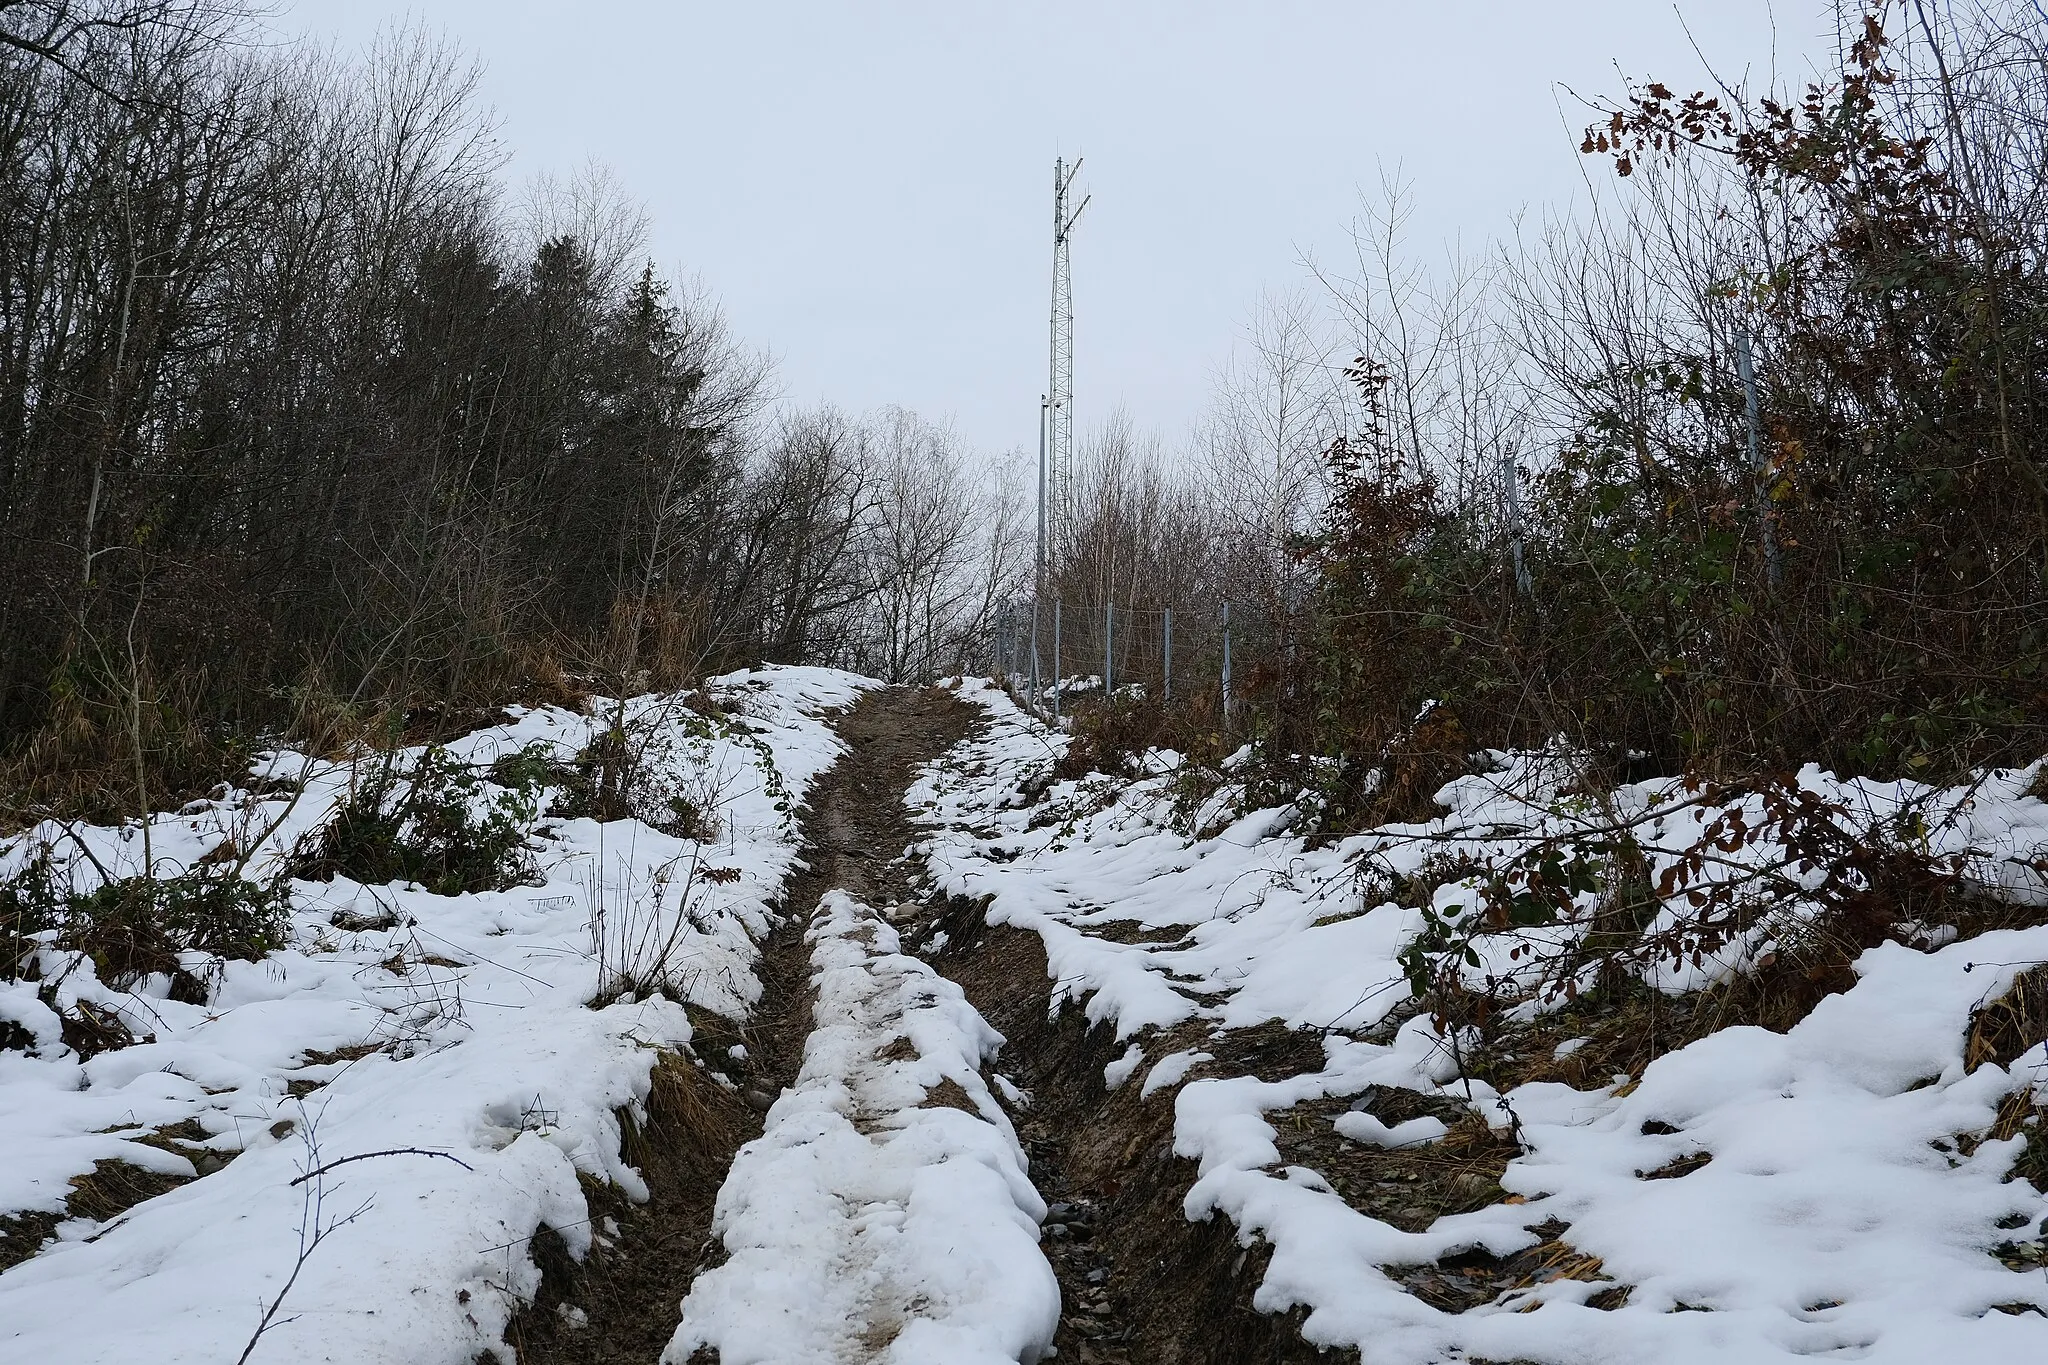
(1832, 130)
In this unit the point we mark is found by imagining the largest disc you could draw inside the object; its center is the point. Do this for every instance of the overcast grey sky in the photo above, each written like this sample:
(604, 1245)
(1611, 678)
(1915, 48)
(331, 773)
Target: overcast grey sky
(866, 186)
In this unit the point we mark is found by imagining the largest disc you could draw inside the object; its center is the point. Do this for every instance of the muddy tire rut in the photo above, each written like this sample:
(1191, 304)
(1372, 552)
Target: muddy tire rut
(1139, 1283)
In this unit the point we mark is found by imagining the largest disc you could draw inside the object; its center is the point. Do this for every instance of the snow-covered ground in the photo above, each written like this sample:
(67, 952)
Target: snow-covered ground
(1826, 1191)
(461, 1037)
(886, 1213)
(1838, 1215)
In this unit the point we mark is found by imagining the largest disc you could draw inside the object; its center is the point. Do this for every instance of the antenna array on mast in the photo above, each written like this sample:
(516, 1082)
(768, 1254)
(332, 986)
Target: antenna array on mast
(1057, 484)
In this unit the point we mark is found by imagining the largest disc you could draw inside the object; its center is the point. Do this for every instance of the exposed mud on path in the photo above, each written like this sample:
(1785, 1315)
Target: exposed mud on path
(623, 1302)
(1139, 1283)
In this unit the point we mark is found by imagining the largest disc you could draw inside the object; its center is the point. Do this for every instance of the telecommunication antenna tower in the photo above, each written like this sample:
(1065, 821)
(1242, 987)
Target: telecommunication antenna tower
(1059, 403)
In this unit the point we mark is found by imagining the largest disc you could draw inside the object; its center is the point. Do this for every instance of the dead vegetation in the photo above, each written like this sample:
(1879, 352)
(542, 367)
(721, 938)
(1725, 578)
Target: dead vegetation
(2005, 1029)
(1794, 885)
(298, 1087)
(112, 1187)
(1113, 734)
(1412, 768)
(22, 1235)
(1406, 1187)
(1470, 1279)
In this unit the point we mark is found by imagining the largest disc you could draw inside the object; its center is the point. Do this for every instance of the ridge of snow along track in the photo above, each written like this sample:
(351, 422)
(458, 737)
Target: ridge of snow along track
(471, 1038)
(885, 1214)
(1823, 1206)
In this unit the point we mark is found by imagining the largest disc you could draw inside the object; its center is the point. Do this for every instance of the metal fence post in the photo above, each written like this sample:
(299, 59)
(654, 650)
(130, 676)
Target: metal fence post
(1166, 667)
(1511, 481)
(1108, 650)
(1056, 676)
(1226, 665)
(1033, 693)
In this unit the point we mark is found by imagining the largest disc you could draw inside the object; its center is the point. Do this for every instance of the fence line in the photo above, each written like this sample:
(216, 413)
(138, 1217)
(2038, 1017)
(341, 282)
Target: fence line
(1052, 648)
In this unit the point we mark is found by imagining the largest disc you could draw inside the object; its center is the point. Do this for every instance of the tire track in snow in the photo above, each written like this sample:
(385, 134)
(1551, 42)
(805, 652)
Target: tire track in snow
(886, 1213)
(858, 833)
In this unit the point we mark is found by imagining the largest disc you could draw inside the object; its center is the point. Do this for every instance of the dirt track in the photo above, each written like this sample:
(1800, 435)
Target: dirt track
(630, 1292)
(1139, 1284)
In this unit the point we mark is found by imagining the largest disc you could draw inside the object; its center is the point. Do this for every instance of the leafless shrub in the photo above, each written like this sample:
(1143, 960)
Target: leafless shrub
(641, 928)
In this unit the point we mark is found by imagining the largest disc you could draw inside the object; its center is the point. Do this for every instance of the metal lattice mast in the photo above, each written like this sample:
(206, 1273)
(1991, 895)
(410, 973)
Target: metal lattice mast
(1059, 457)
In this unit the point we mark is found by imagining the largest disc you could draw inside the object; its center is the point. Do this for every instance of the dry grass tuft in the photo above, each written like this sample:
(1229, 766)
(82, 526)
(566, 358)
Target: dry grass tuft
(1469, 1279)
(22, 1235)
(114, 1187)
(1407, 1187)
(2004, 1029)
(2021, 1117)
(948, 1094)
(90, 1030)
